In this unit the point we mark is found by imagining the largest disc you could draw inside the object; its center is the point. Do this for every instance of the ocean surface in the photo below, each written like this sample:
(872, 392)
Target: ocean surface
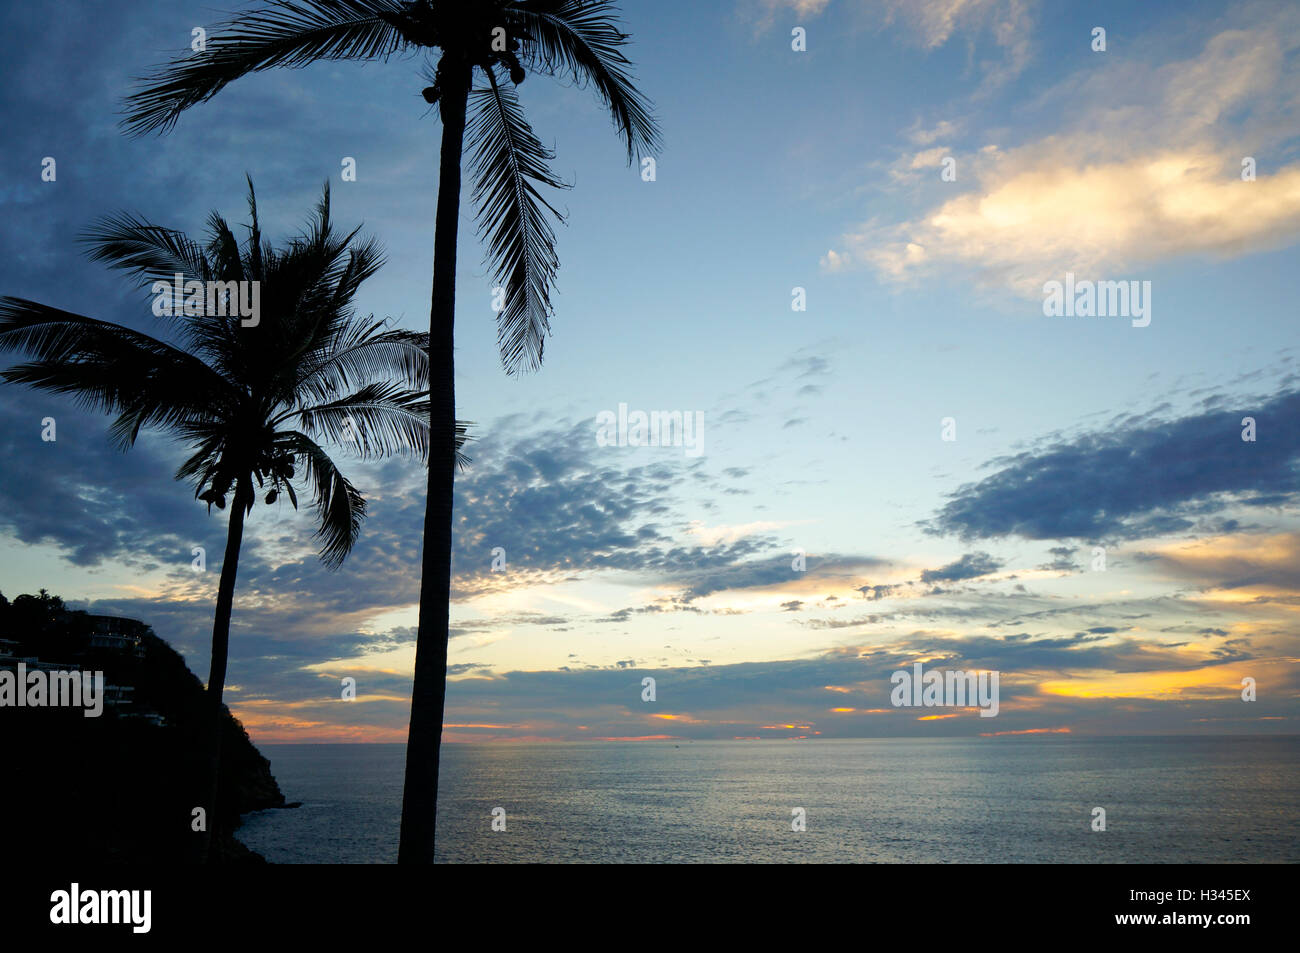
(986, 800)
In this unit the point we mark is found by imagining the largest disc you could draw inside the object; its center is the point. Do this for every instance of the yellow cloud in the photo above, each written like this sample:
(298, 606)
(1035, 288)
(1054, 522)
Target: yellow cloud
(1051, 216)
(1271, 561)
(1212, 682)
(1149, 168)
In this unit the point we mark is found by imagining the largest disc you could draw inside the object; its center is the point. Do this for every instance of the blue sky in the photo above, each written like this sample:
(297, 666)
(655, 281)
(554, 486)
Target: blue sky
(817, 169)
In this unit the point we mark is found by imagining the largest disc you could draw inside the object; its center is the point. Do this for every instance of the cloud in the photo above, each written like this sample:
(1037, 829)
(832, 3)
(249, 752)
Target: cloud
(1251, 562)
(876, 593)
(1147, 168)
(94, 502)
(1034, 219)
(845, 692)
(622, 615)
(764, 12)
(1063, 561)
(928, 158)
(776, 572)
(1008, 22)
(1148, 479)
(562, 506)
(930, 24)
(969, 566)
(944, 129)
(934, 21)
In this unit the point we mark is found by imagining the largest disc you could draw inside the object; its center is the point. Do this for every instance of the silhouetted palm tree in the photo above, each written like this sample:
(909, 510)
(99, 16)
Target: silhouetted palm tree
(502, 41)
(250, 395)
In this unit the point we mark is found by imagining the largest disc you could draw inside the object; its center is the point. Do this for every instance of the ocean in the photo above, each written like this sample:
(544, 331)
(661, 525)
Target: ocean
(985, 800)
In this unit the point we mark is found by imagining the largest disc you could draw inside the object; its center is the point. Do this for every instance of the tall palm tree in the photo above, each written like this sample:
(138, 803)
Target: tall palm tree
(251, 398)
(495, 43)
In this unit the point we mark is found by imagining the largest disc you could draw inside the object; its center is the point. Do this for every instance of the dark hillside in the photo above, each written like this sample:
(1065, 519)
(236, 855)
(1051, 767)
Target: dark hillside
(116, 788)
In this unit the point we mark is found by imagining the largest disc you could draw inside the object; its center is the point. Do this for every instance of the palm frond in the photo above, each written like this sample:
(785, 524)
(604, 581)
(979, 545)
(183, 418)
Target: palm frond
(581, 37)
(363, 261)
(508, 162)
(149, 251)
(56, 336)
(107, 367)
(223, 251)
(462, 437)
(377, 420)
(255, 263)
(339, 507)
(362, 354)
(200, 464)
(291, 33)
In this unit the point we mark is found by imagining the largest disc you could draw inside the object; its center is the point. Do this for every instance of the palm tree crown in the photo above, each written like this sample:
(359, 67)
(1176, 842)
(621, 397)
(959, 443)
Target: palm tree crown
(502, 40)
(252, 402)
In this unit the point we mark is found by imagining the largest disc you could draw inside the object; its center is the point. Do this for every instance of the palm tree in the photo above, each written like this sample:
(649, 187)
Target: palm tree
(499, 41)
(251, 398)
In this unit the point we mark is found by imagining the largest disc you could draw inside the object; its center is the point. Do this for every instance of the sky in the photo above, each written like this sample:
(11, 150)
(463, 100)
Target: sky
(918, 464)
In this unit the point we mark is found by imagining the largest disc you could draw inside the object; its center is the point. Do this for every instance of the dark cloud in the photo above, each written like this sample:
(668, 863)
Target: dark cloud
(970, 566)
(507, 619)
(560, 505)
(1143, 480)
(1063, 561)
(93, 501)
(776, 571)
(876, 593)
(622, 615)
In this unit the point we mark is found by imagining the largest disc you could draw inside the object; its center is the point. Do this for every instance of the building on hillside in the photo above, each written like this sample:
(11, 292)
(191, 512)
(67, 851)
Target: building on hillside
(117, 634)
(118, 696)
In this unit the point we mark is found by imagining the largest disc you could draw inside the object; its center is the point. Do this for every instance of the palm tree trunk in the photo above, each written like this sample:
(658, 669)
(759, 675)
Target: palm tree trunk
(217, 671)
(424, 739)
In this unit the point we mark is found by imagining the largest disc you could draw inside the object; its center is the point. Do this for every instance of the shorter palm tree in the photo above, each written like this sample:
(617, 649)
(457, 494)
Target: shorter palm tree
(253, 396)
